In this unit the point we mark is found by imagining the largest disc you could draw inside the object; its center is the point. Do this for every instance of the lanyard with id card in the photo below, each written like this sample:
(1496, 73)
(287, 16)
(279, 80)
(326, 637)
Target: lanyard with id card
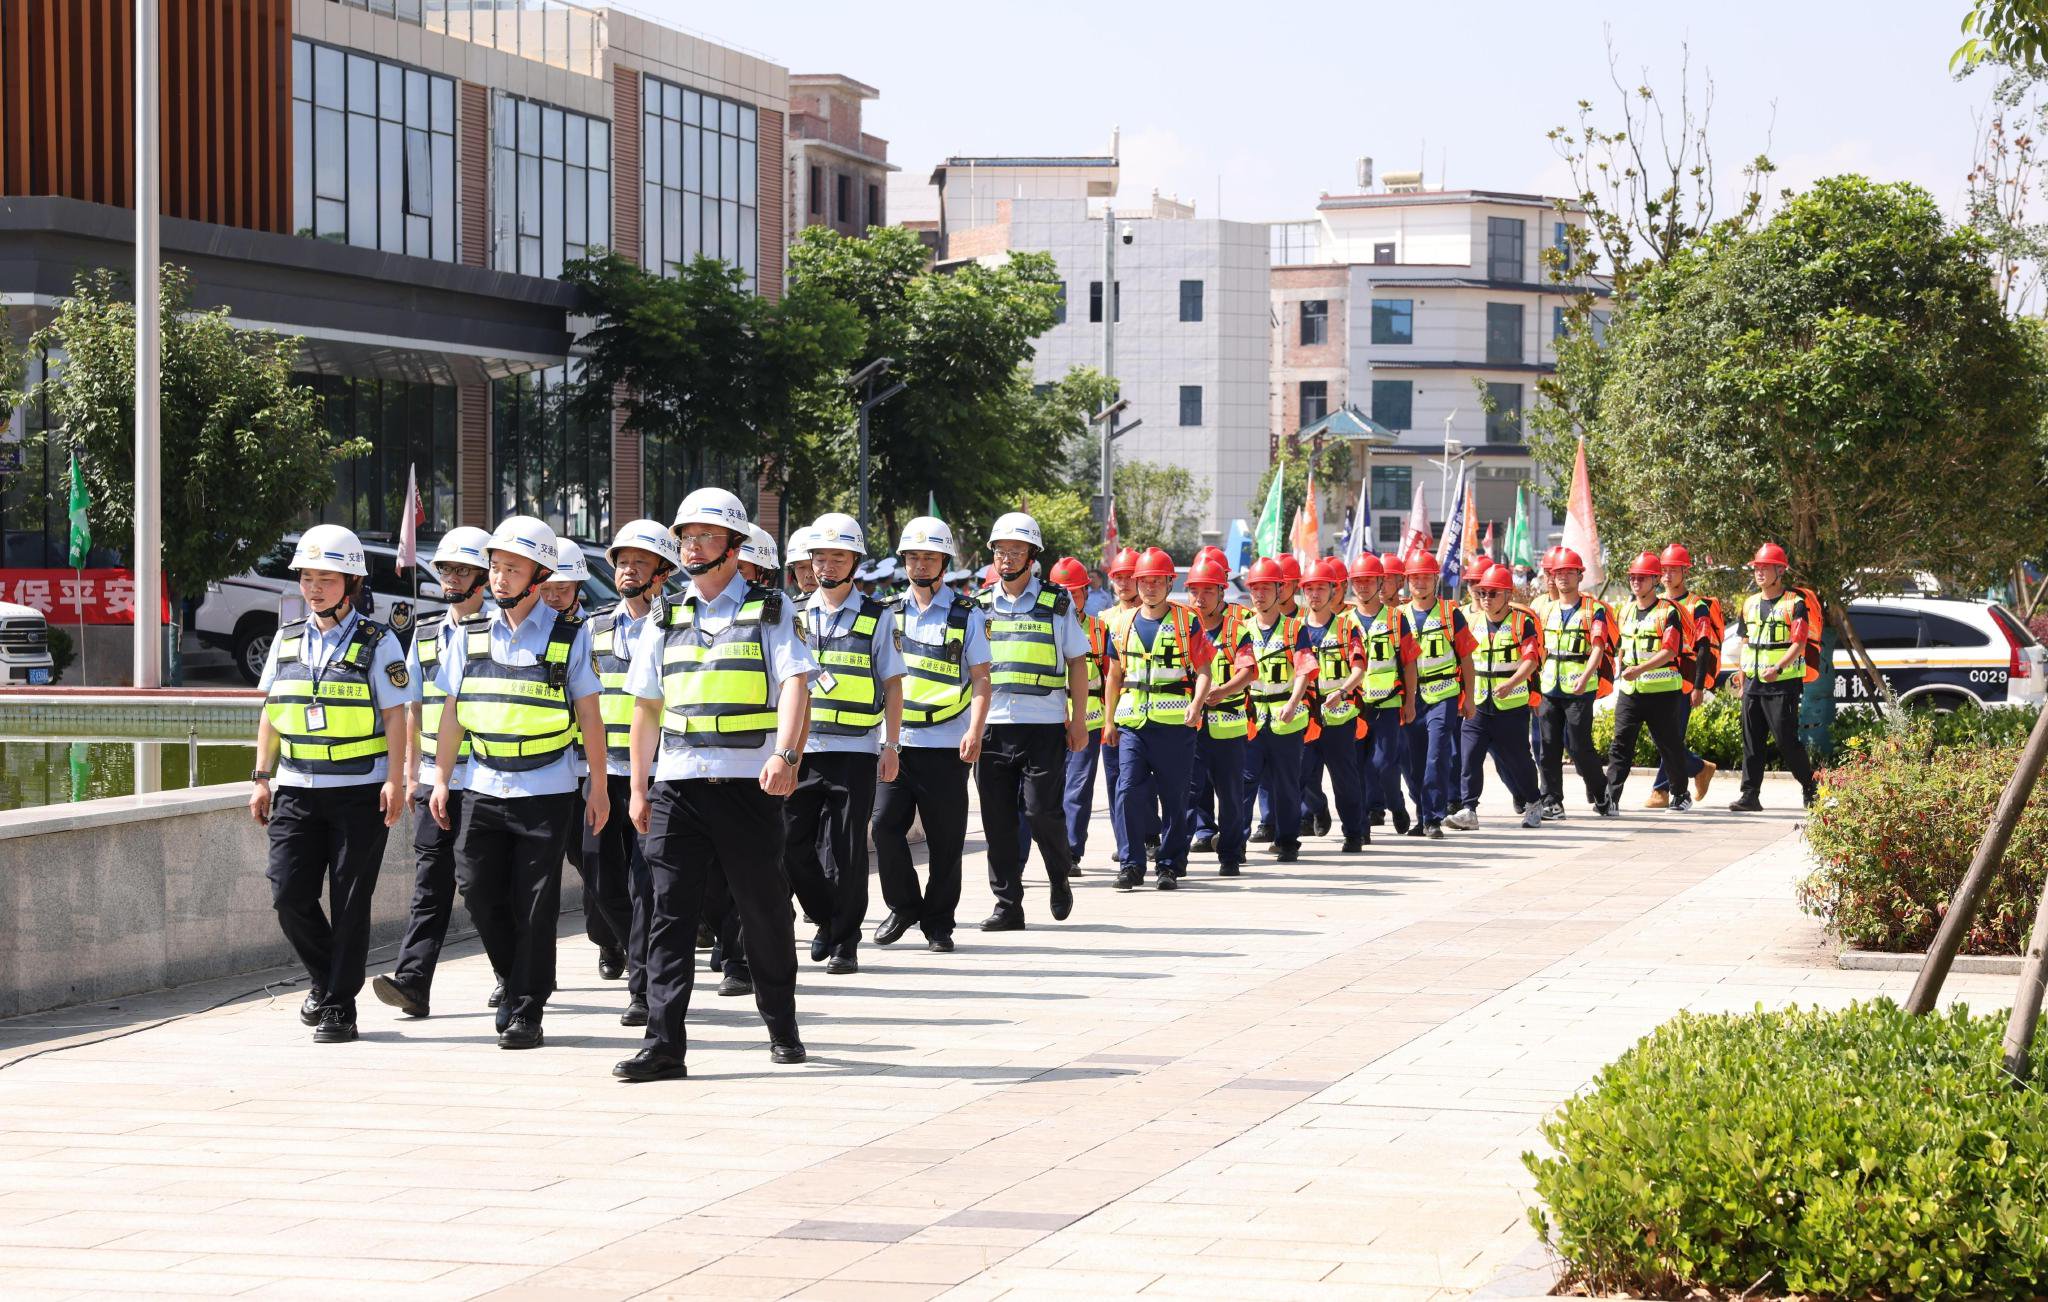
(316, 713)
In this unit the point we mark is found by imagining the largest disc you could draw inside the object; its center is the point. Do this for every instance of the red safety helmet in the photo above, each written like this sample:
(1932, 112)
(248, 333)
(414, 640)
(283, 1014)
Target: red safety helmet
(1154, 564)
(1290, 569)
(1333, 570)
(1367, 566)
(1069, 573)
(1646, 566)
(1495, 578)
(1263, 570)
(1123, 563)
(1207, 573)
(1676, 557)
(1211, 552)
(1564, 558)
(1422, 562)
(1770, 554)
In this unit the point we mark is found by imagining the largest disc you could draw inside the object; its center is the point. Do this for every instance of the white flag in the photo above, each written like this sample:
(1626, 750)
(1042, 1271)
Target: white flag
(1416, 540)
(409, 530)
(1581, 533)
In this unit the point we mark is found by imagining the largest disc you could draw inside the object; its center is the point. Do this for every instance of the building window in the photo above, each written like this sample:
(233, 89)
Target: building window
(1315, 401)
(1503, 332)
(409, 427)
(1504, 422)
(1095, 300)
(1560, 241)
(1561, 326)
(1390, 528)
(842, 197)
(1190, 404)
(1191, 300)
(1393, 404)
(1393, 320)
(874, 205)
(1315, 321)
(817, 192)
(546, 464)
(702, 179)
(373, 147)
(1504, 248)
(1393, 487)
(1383, 254)
(552, 171)
(1059, 306)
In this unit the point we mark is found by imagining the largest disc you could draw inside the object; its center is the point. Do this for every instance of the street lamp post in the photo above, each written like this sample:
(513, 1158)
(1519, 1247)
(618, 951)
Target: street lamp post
(1109, 304)
(147, 562)
(865, 379)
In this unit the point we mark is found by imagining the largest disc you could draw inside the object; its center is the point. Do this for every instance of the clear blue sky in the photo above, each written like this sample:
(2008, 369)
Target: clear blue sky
(1277, 101)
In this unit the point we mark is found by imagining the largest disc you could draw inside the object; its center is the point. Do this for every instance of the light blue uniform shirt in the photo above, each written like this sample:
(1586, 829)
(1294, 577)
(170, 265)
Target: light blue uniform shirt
(625, 627)
(517, 647)
(316, 648)
(784, 657)
(929, 626)
(1070, 641)
(823, 622)
(459, 779)
(1100, 599)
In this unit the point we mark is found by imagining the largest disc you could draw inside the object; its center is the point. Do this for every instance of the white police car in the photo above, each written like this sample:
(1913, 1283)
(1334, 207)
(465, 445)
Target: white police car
(1936, 653)
(24, 646)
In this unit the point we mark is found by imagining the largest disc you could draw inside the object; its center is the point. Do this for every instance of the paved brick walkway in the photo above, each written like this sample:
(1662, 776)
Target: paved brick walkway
(1315, 1081)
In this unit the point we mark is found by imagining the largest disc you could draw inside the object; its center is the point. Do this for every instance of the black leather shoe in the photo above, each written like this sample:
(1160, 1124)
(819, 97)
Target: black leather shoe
(1203, 844)
(1379, 818)
(821, 945)
(1322, 824)
(1262, 834)
(842, 964)
(611, 963)
(891, 929)
(1129, 878)
(786, 1052)
(940, 944)
(521, 1034)
(707, 935)
(336, 1027)
(1168, 881)
(1416, 829)
(1003, 920)
(1062, 901)
(635, 1014)
(1288, 854)
(1228, 870)
(403, 995)
(309, 1012)
(715, 960)
(1073, 861)
(1400, 821)
(736, 984)
(497, 993)
(650, 1064)
(1746, 805)
(1354, 845)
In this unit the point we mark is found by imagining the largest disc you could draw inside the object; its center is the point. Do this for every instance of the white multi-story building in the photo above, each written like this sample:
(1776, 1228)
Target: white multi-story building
(1408, 306)
(1190, 307)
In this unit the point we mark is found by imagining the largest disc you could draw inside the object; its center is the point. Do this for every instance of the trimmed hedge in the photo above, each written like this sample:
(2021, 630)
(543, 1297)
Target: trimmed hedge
(1857, 1153)
(1893, 831)
(1715, 732)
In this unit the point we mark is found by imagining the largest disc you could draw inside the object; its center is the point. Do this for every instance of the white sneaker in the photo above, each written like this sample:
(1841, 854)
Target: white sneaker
(1465, 820)
(1533, 816)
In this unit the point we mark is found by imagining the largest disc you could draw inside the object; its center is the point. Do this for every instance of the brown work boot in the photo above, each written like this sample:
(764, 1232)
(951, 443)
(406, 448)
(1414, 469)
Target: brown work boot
(1703, 779)
(1658, 800)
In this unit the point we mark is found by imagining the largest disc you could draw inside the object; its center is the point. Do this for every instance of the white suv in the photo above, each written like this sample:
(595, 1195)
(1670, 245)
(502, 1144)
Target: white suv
(1937, 653)
(24, 646)
(241, 614)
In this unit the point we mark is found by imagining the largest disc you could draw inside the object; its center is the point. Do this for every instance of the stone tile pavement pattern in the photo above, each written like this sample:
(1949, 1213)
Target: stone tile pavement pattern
(1315, 1081)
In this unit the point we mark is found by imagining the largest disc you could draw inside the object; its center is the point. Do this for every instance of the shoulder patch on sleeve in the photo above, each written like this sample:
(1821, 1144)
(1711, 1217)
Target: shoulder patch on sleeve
(400, 676)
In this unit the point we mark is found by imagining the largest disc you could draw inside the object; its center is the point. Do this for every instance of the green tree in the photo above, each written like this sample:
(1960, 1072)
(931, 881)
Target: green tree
(2003, 31)
(1332, 465)
(245, 456)
(1841, 381)
(1157, 506)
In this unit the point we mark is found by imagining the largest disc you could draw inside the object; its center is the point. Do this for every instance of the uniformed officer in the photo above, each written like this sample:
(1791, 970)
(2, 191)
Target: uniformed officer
(1650, 683)
(856, 739)
(1775, 666)
(1509, 654)
(643, 554)
(1339, 644)
(332, 738)
(722, 682)
(1079, 798)
(1286, 669)
(800, 562)
(944, 646)
(1226, 713)
(1038, 712)
(1575, 648)
(1158, 677)
(521, 684)
(1443, 680)
(460, 563)
(759, 564)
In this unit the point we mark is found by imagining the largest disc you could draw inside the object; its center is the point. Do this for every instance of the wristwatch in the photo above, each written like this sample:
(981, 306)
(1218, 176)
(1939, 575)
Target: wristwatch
(260, 775)
(896, 746)
(787, 757)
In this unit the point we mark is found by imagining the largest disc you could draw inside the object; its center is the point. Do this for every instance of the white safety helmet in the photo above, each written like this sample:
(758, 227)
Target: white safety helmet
(1016, 527)
(840, 530)
(759, 549)
(523, 535)
(330, 547)
(928, 533)
(712, 506)
(648, 536)
(463, 545)
(570, 567)
(800, 545)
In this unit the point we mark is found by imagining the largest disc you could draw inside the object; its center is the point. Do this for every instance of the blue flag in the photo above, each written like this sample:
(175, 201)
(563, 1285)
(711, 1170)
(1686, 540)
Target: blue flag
(1453, 558)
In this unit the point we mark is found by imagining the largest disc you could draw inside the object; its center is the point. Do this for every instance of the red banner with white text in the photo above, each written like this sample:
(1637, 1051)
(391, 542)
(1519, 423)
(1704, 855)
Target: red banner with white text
(104, 596)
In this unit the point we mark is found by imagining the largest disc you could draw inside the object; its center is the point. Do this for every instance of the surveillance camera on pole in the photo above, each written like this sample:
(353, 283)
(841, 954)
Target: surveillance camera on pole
(872, 371)
(1109, 412)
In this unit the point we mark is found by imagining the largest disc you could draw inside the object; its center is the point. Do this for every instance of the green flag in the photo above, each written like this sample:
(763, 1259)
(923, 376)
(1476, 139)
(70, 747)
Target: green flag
(81, 532)
(1518, 550)
(1269, 539)
(931, 504)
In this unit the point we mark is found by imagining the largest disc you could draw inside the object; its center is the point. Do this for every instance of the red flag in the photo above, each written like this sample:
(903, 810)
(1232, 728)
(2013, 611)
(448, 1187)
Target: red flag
(409, 531)
(1109, 536)
(1486, 541)
(1581, 534)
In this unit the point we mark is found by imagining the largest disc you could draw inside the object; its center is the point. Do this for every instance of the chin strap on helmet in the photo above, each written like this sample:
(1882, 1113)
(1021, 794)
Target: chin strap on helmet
(698, 569)
(830, 585)
(348, 595)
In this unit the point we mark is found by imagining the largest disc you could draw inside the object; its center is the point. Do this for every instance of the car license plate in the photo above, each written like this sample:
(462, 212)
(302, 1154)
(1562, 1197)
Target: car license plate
(37, 677)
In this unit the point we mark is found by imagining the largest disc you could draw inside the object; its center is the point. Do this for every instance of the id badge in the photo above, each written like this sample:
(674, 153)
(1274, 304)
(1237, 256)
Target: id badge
(826, 680)
(316, 718)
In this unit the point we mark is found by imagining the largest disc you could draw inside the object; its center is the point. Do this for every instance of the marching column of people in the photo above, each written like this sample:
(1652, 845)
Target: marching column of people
(707, 754)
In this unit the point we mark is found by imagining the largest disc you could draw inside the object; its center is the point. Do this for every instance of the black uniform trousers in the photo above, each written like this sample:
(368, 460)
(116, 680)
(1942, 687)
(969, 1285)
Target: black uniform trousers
(433, 890)
(825, 845)
(1027, 760)
(606, 865)
(1567, 724)
(1767, 716)
(931, 781)
(508, 860)
(1664, 714)
(332, 837)
(697, 827)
